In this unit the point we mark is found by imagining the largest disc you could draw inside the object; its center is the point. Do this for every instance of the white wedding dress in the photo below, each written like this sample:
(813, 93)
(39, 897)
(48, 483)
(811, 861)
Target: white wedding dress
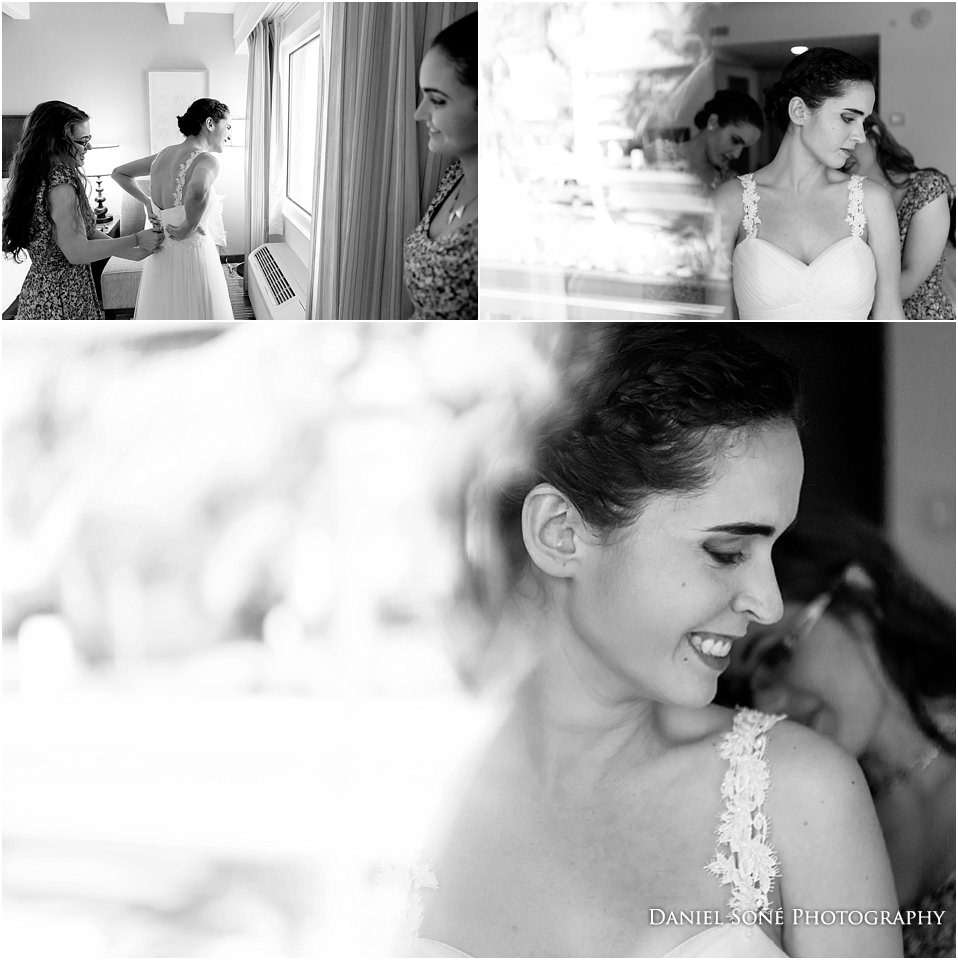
(770, 284)
(184, 280)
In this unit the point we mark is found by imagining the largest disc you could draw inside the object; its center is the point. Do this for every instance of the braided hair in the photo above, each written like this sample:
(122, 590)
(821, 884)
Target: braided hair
(639, 410)
(197, 113)
(815, 76)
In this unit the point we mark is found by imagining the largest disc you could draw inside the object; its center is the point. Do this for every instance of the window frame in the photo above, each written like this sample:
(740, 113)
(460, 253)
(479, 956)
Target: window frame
(299, 216)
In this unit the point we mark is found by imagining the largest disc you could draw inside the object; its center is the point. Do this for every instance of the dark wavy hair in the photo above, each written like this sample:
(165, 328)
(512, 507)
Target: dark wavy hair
(731, 106)
(639, 410)
(816, 75)
(460, 43)
(196, 115)
(913, 630)
(45, 145)
(892, 158)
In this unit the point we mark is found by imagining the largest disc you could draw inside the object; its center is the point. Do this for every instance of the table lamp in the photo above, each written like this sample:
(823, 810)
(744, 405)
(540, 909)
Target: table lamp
(106, 158)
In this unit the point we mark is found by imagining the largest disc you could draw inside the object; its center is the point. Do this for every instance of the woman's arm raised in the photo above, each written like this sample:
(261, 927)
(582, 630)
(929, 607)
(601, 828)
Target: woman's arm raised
(883, 239)
(831, 850)
(72, 239)
(125, 175)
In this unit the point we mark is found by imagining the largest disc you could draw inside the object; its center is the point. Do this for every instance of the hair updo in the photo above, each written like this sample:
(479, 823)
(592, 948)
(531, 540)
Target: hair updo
(638, 410)
(731, 106)
(816, 75)
(460, 43)
(192, 121)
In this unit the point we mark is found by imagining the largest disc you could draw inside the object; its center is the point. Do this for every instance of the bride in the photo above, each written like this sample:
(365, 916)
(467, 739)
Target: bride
(188, 283)
(805, 240)
(627, 557)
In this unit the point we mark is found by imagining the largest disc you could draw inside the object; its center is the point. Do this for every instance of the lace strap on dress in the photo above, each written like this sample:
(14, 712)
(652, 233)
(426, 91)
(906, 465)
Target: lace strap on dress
(181, 178)
(411, 880)
(856, 205)
(750, 198)
(744, 858)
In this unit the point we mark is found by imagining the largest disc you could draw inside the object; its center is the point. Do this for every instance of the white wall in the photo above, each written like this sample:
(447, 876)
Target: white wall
(97, 56)
(917, 64)
(920, 469)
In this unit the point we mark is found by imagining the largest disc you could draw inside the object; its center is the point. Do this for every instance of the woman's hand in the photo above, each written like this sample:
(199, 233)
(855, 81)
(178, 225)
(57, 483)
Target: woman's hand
(183, 231)
(149, 240)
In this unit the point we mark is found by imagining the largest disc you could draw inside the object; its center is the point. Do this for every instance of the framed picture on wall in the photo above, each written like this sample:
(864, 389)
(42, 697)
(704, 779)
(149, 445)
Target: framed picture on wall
(171, 93)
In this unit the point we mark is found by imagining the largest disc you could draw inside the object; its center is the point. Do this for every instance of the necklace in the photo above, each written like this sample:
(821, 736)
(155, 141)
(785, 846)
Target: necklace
(882, 783)
(456, 212)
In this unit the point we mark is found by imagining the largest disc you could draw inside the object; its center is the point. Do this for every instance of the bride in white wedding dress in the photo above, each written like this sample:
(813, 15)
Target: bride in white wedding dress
(188, 282)
(616, 811)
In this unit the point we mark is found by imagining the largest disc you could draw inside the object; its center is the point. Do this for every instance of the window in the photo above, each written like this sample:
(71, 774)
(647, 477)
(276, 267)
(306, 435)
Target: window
(302, 124)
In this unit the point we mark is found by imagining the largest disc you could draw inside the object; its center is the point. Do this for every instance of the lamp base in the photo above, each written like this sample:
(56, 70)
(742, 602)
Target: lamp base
(100, 211)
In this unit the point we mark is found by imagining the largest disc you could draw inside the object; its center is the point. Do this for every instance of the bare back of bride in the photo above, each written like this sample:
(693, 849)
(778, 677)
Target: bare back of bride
(188, 284)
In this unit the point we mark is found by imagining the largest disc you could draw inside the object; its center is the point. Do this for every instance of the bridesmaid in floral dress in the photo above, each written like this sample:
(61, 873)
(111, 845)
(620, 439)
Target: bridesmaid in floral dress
(441, 254)
(47, 214)
(923, 198)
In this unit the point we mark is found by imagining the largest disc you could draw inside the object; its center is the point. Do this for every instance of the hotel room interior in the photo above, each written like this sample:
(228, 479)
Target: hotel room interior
(327, 165)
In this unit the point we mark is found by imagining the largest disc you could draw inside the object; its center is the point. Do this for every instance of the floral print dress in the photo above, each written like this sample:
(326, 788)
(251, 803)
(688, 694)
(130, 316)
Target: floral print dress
(442, 273)
(929, 301)
(54, 288)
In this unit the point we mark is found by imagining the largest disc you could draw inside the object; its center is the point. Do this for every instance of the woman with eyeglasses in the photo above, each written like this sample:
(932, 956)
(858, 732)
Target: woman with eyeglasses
(46, 213)
(620, 546)
(924, 199)
(865, 655)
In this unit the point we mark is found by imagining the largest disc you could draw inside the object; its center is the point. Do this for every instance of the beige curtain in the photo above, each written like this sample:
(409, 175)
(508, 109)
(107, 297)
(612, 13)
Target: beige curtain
(372, 169)
(265, 137)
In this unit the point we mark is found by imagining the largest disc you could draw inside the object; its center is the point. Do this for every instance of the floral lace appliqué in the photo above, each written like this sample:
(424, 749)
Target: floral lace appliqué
(856, 206)
(744, 858)
(750, 198)
(181, 178)
(414, 878)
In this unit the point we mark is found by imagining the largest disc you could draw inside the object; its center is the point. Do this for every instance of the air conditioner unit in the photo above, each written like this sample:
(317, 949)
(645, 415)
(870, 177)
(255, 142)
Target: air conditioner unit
(277, 283)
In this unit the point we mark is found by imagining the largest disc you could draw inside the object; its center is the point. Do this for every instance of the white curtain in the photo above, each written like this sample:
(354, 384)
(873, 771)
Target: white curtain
(372, 169)
(265, 136)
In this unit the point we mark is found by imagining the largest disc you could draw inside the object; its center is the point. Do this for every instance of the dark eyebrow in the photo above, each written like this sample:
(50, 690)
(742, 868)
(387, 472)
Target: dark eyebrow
(853, 110)
(434, 90)
(744, 529)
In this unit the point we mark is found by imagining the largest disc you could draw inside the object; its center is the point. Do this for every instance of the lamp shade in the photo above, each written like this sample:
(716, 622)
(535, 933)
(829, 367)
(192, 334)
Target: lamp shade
(101, 159)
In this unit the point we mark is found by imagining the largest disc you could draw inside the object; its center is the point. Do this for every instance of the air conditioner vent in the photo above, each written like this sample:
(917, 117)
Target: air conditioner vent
(278, 284)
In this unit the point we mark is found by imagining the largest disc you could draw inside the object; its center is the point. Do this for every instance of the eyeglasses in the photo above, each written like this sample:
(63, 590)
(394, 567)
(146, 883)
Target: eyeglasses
(775, 655)
(83, 141)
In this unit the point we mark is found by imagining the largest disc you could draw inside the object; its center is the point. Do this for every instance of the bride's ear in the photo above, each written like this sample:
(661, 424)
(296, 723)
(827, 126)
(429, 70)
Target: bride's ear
(552, 530)
(797, 111)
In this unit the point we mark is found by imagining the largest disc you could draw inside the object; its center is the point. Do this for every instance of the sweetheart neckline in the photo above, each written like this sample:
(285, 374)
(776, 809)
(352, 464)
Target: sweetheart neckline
(795, 259)
(701, 935)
